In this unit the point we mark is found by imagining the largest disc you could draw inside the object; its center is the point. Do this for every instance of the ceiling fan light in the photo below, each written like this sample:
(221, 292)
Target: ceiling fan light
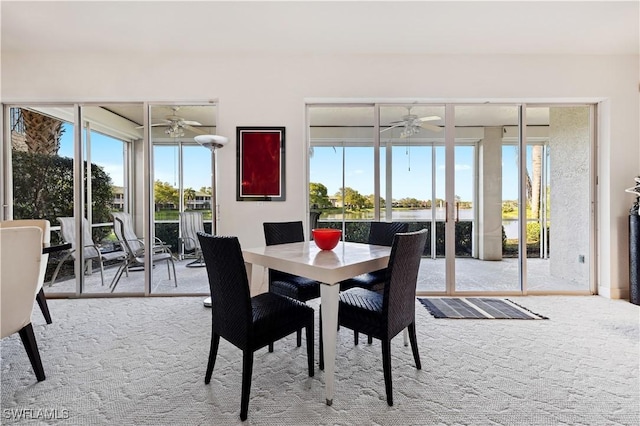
(174, 131)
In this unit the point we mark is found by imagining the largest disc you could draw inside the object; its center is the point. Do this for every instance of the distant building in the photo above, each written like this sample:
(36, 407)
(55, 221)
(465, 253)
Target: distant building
(202, 201)
(335, 202)
(118, 198)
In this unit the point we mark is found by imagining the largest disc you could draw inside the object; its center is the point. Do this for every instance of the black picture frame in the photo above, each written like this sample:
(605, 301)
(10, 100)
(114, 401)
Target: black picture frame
(260, 163)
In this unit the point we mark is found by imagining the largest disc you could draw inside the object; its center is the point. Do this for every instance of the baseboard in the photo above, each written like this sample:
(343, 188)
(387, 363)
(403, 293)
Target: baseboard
(614, 293)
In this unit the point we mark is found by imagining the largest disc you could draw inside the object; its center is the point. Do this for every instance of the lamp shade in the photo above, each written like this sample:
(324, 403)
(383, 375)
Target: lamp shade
(211, 141)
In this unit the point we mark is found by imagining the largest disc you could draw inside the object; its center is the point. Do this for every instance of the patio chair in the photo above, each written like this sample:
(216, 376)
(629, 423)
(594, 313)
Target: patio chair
(190, 224)
(313, 222)
(294, 286)
(385, 315)
(248, 323)
(20, 266)
(45, 227)
(135, 249)
(90, 251)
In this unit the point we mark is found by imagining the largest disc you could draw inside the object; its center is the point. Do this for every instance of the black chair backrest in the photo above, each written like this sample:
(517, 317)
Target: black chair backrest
(283, 232)
(399, 295)
(230, 293)
(382, 233)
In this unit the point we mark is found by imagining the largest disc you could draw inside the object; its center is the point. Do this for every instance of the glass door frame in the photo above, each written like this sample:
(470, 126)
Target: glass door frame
(450, 222)
(149, 221)
(450, 145)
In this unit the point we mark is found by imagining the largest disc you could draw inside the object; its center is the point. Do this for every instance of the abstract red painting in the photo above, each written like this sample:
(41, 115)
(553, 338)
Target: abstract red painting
(260, 163)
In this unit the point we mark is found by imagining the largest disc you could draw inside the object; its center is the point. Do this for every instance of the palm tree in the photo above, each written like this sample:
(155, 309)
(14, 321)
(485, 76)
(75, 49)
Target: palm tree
(536, 182)
(42, 133)
(529, 185)
(189, 194)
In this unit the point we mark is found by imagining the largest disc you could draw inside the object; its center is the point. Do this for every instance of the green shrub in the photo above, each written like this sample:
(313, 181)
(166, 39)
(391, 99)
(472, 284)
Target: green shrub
(43, 189)
(533, 232)
(358, 232)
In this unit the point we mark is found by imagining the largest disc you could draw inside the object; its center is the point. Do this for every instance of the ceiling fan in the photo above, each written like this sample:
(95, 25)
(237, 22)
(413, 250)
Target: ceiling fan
(175, 124)
(412, 124)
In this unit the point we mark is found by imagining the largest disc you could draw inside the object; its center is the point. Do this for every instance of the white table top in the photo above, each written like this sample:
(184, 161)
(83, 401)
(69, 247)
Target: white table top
(305, 259)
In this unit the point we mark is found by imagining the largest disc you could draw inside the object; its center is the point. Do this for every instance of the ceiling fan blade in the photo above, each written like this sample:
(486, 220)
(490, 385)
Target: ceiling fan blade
(429, 118)
(190, 123)
(156, 124)
(195, 129)
(393, 127)
(431, 127)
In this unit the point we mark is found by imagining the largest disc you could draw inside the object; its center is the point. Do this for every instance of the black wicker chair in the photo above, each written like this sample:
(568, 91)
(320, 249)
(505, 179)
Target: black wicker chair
(249, 323)
(282, 283)
(385, 315)
(380, 234)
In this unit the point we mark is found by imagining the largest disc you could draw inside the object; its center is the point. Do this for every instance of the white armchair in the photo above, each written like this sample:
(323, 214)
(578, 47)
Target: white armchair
(45, 227)
(20, 261)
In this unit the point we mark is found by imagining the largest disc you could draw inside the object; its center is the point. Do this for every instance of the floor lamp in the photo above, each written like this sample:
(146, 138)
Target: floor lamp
(213, 142)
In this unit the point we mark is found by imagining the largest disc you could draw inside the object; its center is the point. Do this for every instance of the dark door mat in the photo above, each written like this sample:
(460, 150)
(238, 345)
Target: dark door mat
(476, 308)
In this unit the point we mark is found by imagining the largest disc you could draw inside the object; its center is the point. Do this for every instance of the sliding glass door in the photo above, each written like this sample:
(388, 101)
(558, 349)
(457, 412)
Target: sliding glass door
(412, 180)
(485, 209)
(42, 165)
(182, 196)
(342, 163)
(107, 156)
(486, 180)
(559, 229)
(70, 165)
(80, 166)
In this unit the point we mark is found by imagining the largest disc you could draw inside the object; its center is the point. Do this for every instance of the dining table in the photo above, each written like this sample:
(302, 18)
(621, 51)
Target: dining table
(329, 267)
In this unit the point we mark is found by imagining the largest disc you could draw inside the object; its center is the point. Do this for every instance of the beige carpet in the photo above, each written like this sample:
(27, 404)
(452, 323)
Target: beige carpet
(141, 361)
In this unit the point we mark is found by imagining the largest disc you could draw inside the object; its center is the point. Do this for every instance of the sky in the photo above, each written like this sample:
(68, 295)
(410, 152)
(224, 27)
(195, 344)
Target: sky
(412, 173)
(108, 153)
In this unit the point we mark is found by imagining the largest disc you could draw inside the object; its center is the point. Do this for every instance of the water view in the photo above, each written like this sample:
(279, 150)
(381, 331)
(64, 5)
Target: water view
(417, 215)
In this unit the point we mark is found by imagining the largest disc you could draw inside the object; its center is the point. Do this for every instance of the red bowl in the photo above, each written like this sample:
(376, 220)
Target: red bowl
(326, 239)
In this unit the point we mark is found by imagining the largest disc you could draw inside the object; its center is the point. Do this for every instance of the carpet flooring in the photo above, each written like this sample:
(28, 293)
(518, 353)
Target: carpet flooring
(141, 361)
(476, 308)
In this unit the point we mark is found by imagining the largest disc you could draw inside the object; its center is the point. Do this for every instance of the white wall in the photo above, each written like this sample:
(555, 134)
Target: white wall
(271, 91)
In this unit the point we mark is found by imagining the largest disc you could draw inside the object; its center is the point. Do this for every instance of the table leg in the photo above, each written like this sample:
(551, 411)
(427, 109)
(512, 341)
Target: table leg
(249, 268)
(329, 300)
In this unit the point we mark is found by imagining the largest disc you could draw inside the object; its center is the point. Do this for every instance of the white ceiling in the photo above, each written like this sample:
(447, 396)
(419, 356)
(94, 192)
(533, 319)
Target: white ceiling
(323, 27)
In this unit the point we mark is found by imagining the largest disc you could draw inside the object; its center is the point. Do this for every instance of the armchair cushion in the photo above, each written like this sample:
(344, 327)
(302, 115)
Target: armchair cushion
(19, 275)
